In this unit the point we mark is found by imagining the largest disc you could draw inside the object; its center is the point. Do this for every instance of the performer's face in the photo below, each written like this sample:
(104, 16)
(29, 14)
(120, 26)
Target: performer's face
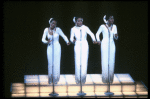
(79, 22)
(53, 24)
(111, 20)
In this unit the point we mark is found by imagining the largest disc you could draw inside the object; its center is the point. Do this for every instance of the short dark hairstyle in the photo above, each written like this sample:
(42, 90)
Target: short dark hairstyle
(77, 18)
(108, 15)
(53, 20)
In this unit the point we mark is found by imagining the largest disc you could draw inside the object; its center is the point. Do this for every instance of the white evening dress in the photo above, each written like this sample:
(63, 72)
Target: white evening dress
(107, 51)
(54, 52)
(81, 51)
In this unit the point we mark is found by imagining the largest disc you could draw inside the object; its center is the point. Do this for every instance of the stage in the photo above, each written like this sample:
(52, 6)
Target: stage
(123, 86)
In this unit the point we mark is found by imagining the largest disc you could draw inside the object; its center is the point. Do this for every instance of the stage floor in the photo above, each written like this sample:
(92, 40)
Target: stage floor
(123, 86)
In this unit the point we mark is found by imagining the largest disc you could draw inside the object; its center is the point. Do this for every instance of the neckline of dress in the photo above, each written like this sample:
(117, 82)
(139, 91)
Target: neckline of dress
(52, 30)
(109, 27)
(79, 27)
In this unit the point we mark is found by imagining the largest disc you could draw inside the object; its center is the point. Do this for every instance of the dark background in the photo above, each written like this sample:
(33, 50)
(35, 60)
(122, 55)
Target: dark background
(25, 54)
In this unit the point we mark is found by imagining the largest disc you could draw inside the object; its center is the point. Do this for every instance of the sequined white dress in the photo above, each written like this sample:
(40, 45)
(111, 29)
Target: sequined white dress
(54, 52)
(108, 50)
(81, 50)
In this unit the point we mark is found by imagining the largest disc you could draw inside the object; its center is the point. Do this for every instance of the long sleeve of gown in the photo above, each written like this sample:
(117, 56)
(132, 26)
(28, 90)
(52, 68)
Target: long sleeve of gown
(44, 37)
(71, 36)
(98, 33)
(115, 32)
(63, 36)
(91, 34)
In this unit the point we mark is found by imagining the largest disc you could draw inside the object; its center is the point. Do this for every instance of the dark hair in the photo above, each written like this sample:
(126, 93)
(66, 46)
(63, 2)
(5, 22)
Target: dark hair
(77, 18)
(108, 15)
(53, 20)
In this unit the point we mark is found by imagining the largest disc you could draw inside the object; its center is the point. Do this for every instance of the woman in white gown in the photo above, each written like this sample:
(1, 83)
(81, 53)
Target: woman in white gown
(81, 48)
(109, 31)
(53, 49)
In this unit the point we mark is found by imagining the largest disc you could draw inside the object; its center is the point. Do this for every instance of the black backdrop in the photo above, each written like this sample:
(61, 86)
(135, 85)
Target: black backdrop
(24, 23)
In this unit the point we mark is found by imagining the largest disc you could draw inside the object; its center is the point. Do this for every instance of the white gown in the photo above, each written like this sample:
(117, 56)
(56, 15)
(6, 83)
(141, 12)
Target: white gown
(107, 56)
(81, 50)
(53, 52)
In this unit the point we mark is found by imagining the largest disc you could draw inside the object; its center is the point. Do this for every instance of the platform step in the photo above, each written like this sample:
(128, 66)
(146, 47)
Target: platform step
(37, 86)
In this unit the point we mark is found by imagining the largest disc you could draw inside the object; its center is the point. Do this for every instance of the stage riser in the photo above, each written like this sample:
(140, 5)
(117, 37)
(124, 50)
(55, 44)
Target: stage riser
(73, 95)
(37, 86)
(73, 89)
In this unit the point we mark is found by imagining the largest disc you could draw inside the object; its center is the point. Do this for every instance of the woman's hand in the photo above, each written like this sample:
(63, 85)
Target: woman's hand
(74, 41)
(94, 42)
(116, 35)
(69, 43)
(99, 43)
(49, 40)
